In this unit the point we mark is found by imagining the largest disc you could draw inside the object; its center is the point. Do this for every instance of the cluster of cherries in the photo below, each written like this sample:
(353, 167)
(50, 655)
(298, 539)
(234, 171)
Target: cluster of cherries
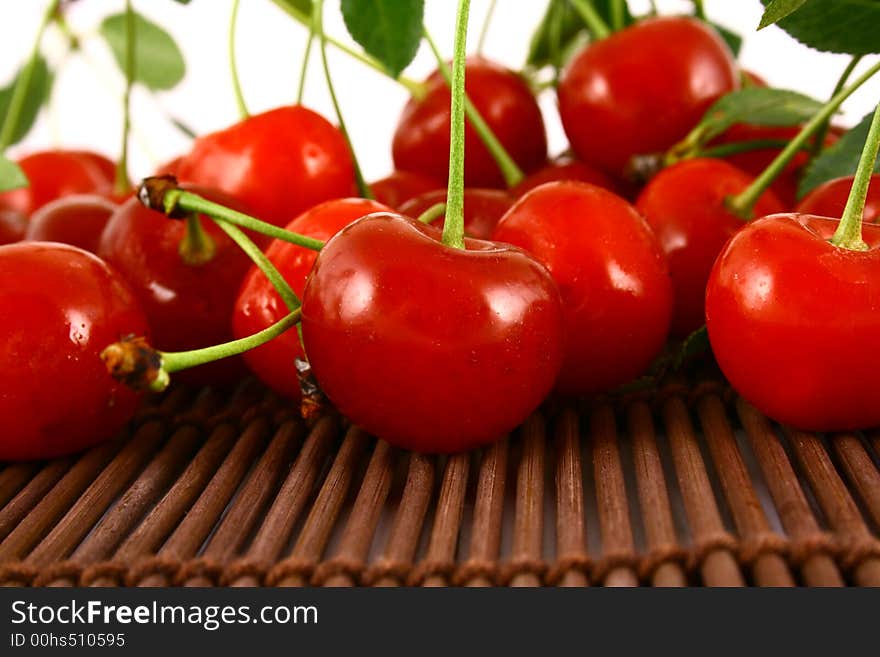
(569, 282)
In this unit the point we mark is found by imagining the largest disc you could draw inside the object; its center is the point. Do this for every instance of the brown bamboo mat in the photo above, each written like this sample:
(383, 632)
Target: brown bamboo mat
(682, 486)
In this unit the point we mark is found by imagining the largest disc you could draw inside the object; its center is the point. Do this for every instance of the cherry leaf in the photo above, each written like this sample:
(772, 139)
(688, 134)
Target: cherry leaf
(389, 30)
(36, 96)
(11, 175)
(757, 106)
(838, 160)
(841, 26)
(777, 10)
(159, 62)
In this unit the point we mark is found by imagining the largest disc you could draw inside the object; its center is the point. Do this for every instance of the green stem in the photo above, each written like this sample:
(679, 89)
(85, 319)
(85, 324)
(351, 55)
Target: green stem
(555, 24)
(416, 89)
(318, 22)
(699, 10)
(19, 93)
(490, 13)
(849, 232)
(432, 214)
(618, 14)
(819, 141)
(453, 229)
(122, 183)
(196, 248)
(743, 204)
(303, 73)
(510, 170)
(233, 67)
(739, 147)
(598, 28)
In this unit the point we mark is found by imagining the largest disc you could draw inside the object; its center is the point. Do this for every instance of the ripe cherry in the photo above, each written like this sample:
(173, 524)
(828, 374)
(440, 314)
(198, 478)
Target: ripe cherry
(430, 347)
(608, 265)
(53, 174)
(188, 305)
(567, 170)
(60, 308)
(793, 321)
(13, 225)
(829, 199)
(278, 163)
(640, 90)
(259, 306)
(483, 208)
(78, 220)
(399, 187)
(685, 206)
(421, 141)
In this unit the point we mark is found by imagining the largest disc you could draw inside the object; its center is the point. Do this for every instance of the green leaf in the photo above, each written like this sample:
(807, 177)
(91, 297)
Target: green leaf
(838, 160)
(389, 30)
(37, 94)
(158, 61)
(777, 10)
(734, 41)
(843, 26)
(11, 175)
(757, 106)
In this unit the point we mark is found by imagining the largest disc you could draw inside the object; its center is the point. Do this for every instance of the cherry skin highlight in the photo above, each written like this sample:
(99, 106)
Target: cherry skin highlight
(685, 206)
(78, 220)
(483, 208)
(829, 199)
(793, 322)
(64, 308)
(258, 305)
(431, 348)
(615, 286)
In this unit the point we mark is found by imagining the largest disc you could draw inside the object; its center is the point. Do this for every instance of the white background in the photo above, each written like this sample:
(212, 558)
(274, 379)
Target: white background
(85, 108)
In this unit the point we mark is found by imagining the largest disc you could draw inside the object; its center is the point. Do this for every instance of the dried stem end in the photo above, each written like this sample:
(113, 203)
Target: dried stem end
(136, 364)
(160, 193)
(313, 399)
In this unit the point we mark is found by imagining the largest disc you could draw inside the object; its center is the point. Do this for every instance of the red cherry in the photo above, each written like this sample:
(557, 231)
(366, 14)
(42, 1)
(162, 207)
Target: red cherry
(793, 321)
(829, 199)
(567, 170)
(188, 306)
(78, 220)
(12, 226)
(421, 141)
(278, 163)
(685, 206)
(61, 308)
(431, 348)
(400, 186)
(104, 164)
(640, 90)
(615, 286)
(259, 306)
(169, 168)
(53, 174)
(483, 208)
(752, 79)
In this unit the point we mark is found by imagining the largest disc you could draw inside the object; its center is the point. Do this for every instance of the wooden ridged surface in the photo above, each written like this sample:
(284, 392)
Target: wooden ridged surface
(687, 486)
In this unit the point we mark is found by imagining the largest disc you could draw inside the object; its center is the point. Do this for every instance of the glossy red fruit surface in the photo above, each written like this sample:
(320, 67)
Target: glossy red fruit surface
(641, 90)
(53, 174)
(616, 290)
(64, 308)
(258, 305)
(278, 163)
(421, 140)
(793, 321)
(570, 170)
(431, 348)
(78, 220)
(829, 199)
(188, 306)
(12, 226)
(483, 208)
(399, 187)
(685, 207)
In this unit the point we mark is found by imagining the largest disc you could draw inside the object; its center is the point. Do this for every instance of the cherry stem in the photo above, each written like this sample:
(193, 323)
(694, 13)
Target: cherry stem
(432, 214)
(849, 232)
(197, 247)
(819, 141)
(487, 21)
(598, 27)
(743, 204)
(307, 55)
(162, 194)
(19, 92)
(740, 147)
(618, 14)
(122, 183)
(699, 10)
(510, 170)
(233, 67)
(416, 89)
(318, 23)
(453, 229)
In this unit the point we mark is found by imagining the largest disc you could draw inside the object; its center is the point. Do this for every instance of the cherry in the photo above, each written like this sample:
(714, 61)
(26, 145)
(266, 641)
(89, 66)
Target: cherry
(640, 90)
(421, 140)
(483, 208)
(170, 167)
(278, 163)
(259, 306)
(12, 226)
(188, 305)
(78, 220)
(567, 170)
(53, 174)
(400, 186)
(609, 267)
(829, 199)
(685, 206)
(793, 321)
(427, 346)
(60, 308)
